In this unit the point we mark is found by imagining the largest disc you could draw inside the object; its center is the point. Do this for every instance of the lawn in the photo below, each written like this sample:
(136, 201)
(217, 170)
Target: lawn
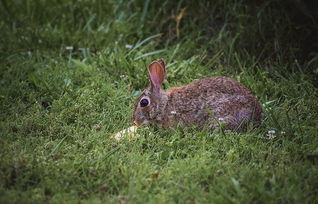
(71, 70)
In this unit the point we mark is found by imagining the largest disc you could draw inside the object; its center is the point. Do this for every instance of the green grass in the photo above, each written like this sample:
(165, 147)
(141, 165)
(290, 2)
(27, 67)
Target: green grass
(51, 98)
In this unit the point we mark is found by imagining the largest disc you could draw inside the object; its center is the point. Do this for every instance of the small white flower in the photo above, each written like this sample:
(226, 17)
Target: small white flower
(283, 132)
(271, 132)
(128, 46)
(173, 112)
(125, 77)
(221, 119)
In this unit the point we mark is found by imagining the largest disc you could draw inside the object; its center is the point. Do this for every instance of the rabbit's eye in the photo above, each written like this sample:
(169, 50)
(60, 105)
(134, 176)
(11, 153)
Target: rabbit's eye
(144, 102)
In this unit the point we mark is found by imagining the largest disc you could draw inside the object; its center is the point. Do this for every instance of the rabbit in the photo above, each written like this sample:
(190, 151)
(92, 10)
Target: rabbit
(206, 102)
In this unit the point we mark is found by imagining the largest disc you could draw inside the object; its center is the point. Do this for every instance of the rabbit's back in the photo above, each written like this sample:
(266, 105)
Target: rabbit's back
(209, 99)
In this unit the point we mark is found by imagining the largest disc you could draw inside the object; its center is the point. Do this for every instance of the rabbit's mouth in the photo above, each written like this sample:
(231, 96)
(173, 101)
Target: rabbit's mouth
(140, 123)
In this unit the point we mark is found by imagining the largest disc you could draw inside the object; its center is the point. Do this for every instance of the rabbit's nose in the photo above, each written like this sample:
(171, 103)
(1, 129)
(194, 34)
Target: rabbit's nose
(136, 123)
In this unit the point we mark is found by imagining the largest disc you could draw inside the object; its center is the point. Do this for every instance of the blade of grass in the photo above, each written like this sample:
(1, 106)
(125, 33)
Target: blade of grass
(57, 146)
(149, 54)
(139, 44)
(144, 11)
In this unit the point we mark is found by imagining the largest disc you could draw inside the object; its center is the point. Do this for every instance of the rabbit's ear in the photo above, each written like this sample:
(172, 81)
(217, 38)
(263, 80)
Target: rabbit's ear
(157, 73)
(163, 64)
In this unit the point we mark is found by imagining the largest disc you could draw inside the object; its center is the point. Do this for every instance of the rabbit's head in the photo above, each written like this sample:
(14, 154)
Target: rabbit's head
(150, 105)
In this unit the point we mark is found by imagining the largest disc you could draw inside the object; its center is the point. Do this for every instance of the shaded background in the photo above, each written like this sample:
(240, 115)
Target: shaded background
(266, 29)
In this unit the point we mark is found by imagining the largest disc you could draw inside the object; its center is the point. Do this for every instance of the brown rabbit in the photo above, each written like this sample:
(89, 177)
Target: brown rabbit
(206, 102)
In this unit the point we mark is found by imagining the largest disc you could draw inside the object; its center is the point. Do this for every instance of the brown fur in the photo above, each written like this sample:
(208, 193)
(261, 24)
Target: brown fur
(205, 102)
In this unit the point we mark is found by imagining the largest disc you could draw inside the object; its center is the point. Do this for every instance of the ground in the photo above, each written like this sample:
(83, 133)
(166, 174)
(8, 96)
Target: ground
(70, 72)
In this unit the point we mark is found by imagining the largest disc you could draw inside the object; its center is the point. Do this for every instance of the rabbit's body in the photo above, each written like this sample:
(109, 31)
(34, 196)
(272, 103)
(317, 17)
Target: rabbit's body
(219, 98)
(206, 102)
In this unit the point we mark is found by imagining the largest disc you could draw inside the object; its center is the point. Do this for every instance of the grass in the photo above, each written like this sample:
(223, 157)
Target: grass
(53, 98)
